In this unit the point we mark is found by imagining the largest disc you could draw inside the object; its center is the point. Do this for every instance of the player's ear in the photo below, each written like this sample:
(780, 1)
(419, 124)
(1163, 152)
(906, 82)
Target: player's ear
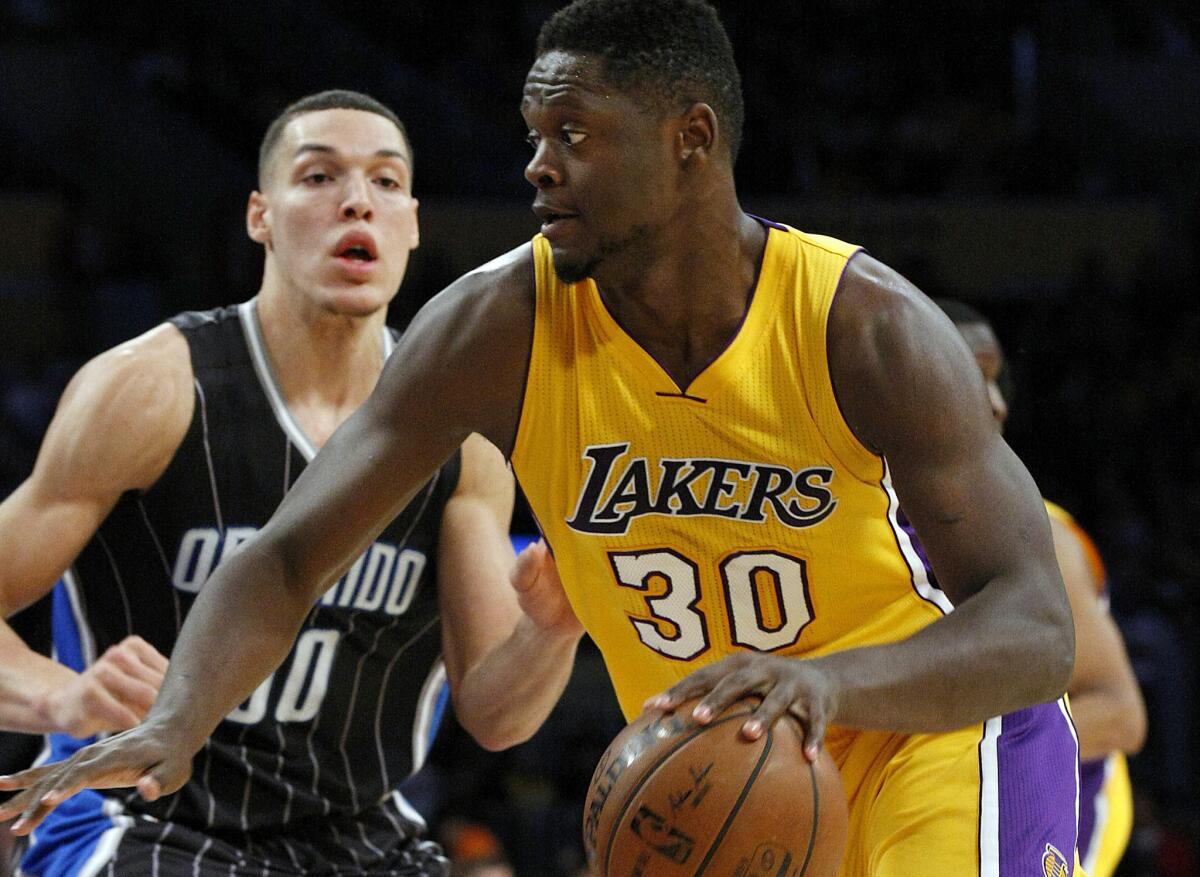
(414, 240)
(258, 219)
(697, 133)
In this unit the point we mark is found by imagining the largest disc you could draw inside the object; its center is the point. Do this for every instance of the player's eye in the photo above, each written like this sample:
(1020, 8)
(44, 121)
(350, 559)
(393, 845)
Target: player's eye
(533, 139)
(316, 178)
(571, 138)
(388, 182)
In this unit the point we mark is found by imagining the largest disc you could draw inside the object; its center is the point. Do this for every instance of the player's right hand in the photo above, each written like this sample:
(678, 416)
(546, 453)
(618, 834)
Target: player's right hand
(540, 591)
(147, 757)
(113, 694)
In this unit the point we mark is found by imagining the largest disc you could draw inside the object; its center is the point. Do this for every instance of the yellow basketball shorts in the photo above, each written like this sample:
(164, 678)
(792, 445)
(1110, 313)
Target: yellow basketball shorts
(1105, 814)
(998, 799)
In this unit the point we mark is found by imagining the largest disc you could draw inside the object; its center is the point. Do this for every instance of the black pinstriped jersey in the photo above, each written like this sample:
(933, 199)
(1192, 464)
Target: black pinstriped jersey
(348, 715)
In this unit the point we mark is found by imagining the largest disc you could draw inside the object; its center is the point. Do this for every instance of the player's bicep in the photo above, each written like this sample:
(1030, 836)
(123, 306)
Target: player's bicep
(456, 370)
(364, 476)
(913, 393)
(978, 515)
(116, 428)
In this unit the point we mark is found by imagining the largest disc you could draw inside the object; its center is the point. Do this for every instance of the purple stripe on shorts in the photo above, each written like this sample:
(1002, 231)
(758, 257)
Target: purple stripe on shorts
(1036, 758)
(907, 527)
(1091, 786)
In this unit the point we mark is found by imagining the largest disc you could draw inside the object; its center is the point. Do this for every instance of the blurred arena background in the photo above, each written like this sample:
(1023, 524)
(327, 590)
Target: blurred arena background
(1040, 159)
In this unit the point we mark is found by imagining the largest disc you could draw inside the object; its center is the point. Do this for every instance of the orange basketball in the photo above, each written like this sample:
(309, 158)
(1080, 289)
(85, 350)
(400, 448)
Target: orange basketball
(673, 798)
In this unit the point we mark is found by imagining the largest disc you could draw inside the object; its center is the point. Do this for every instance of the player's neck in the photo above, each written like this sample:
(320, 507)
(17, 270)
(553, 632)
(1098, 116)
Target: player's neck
(688, 294)
(326, 364)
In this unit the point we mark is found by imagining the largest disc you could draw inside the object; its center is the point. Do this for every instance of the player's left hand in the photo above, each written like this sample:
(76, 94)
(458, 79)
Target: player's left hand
(786, 685)
(146, 757)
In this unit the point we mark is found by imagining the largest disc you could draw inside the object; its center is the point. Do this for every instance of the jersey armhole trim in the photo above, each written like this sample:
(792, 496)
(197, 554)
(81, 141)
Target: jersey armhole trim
(537, 250)
(862, 461)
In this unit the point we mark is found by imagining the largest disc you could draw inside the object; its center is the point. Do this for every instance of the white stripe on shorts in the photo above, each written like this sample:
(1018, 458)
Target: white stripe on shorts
(989, 799)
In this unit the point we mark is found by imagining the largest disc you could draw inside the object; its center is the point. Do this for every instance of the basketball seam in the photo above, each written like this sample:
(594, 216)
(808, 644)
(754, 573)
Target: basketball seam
(737, 805)
(816, 808)
(612, 836)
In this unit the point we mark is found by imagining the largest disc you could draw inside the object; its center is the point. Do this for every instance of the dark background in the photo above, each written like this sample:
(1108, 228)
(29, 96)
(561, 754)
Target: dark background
(1040, 159)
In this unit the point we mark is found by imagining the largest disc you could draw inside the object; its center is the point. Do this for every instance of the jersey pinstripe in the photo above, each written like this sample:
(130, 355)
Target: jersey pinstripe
(303, 773)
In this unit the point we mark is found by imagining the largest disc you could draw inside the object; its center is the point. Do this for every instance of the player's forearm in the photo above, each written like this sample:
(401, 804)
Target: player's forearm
(1108, 721)
(506, 697)
(999, 651)
(26, 681)
(241, 627)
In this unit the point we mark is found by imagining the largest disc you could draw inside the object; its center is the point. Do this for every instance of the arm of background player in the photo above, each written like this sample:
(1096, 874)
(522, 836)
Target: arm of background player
(433, 393)
(911, 392)
(1106, 702)
(117, 426)
(507, 668)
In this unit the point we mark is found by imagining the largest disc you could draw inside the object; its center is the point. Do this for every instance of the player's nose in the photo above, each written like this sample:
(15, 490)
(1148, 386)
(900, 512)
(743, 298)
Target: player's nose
(541, 170)
(356, 198)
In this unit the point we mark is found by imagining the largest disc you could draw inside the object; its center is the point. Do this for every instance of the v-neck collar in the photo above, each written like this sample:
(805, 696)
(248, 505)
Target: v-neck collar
(727, 364)
(252, 329)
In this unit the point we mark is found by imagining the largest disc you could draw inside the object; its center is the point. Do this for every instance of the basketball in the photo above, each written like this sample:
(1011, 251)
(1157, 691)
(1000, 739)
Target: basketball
(675, 798)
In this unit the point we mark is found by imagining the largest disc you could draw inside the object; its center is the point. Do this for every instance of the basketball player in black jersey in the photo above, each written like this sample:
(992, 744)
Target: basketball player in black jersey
(166, 455)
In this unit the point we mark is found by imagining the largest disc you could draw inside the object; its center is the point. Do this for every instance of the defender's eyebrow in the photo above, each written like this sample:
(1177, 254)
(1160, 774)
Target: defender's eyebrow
(329, 150)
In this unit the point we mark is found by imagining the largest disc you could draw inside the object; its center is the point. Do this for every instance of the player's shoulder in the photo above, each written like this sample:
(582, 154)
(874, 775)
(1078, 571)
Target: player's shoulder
(504, 281)
(894, 356)
(814, 241)
(492, 304)
(880, 313)
(154, 357)
(122, 416)
(145, 382)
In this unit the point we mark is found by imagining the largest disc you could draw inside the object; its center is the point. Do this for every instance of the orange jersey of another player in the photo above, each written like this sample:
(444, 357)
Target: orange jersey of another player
(739, 512)
(1091, 552)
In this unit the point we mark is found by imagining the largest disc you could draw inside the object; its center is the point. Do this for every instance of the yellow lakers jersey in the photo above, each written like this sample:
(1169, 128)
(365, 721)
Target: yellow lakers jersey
(739, 512)
(1090, 552)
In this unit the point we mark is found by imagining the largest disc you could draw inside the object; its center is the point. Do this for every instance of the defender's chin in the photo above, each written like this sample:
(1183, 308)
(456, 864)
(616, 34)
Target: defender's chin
(357, 301)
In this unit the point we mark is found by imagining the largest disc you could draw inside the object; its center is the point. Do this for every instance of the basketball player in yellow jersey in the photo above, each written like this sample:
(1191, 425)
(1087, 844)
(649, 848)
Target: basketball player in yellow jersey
(717, 420)
(1106, 703)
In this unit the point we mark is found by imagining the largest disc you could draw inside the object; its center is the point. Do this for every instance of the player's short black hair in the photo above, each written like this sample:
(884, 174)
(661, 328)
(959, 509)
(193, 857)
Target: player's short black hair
(333, 99)
(962, 314)
(673, 50)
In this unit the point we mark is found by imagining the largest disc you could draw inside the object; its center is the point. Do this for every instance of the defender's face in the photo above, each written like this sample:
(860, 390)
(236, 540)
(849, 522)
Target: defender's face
(602, 163)
(990, 357)
(337, 213)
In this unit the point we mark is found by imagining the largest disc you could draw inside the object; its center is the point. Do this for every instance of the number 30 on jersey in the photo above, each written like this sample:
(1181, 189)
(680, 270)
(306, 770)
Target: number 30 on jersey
(765, 595)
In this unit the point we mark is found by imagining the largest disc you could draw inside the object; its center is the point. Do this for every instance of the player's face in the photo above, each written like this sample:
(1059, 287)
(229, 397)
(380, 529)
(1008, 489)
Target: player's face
(338, 214)
(602, 163)
(990, 357)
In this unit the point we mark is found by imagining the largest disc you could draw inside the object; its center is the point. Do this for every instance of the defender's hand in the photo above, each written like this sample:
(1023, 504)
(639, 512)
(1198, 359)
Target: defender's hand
(145, 757)
(113, 694)
(540, 591)
(790, 685)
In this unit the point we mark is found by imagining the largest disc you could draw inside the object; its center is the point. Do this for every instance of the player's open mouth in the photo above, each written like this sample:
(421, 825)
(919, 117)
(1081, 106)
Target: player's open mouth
(553, 223)
(356, 248)
(553, 220)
